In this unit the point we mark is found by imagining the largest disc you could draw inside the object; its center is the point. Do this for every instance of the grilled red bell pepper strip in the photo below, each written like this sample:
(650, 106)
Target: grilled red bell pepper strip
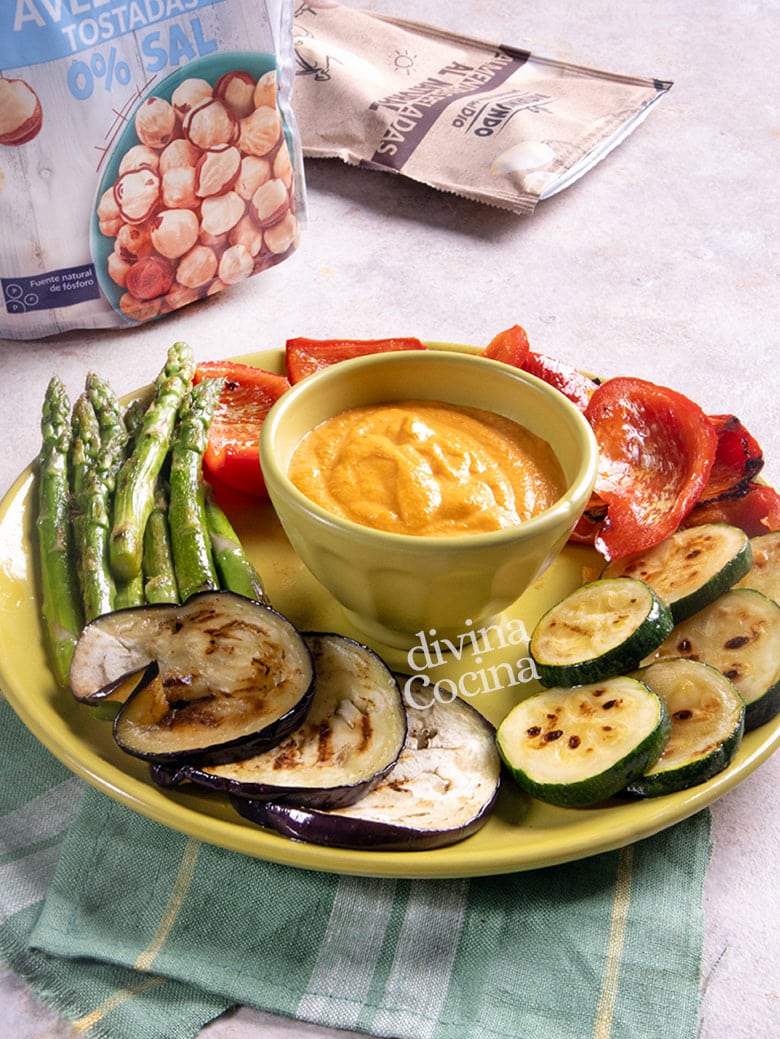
(756, 511)
(590, 522)
(510, 346)
(571, 382)
(738, 459)
(656, 450)
(232, 457)
(305, 356)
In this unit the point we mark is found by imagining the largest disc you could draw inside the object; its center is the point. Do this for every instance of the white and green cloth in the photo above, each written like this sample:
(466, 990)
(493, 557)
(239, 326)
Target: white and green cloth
(132, 931)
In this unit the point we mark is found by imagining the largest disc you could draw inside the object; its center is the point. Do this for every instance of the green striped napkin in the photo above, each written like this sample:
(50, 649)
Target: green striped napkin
(133, 931)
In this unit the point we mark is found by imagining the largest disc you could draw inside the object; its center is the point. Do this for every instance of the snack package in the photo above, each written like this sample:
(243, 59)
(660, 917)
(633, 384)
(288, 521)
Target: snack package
(486, 121)
(148, 156)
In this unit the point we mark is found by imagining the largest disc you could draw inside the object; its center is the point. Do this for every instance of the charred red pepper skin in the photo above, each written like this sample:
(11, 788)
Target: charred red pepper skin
(657, 449)
(756, 510)
(590, 522)
(232, 457)
(738, 458)
(306, 356)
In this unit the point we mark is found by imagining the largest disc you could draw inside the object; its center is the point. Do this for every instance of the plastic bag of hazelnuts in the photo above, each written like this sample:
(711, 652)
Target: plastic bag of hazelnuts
(149, 157)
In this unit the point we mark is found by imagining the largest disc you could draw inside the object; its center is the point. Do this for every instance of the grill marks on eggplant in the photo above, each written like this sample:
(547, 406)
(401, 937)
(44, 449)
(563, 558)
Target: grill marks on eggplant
(350, 737)
(246, 654)
(329, 751)
(219, 677)
(441, 790)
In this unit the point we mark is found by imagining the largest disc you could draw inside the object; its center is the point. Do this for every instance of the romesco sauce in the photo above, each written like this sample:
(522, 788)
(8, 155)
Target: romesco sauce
(427, 468)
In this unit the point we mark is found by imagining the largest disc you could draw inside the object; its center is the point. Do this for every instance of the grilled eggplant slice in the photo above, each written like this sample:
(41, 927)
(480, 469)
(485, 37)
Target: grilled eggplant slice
(221, 676)
(441, 790)
(350, 738)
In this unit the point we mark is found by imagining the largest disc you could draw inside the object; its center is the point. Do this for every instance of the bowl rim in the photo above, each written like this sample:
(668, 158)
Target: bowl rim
(440, 353)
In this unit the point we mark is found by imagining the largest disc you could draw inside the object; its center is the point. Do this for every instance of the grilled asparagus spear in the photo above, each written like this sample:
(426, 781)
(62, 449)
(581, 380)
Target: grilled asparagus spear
(98, 450)
(192, 555)
(136, 481)
(114, 438)
(134, 419)
(90, 513)
(236, 571)
(59, 586)
(159, 573)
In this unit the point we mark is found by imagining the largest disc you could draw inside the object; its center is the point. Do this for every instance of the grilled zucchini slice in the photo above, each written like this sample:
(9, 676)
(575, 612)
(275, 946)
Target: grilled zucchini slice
(708, 720)
(578, 746)
(691, 568)
(764, 575)
(739, 634)
(601, 629)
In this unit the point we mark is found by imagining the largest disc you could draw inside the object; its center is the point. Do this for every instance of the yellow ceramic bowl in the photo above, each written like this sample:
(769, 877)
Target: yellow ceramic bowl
(394, 586)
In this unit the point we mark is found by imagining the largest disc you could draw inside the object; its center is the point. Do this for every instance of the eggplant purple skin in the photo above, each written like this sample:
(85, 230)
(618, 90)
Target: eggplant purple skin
(212, 753)
(317, 827)
(140, 675)
(168, 776)
(108, 691)
(221, 753)
(325, 799)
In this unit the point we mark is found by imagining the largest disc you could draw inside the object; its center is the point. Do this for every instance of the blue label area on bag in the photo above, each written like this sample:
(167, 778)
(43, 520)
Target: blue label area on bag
(62, 288)
(34, 31)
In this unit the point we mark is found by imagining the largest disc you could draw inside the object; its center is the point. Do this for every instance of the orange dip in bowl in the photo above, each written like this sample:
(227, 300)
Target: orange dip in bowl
(427, 468)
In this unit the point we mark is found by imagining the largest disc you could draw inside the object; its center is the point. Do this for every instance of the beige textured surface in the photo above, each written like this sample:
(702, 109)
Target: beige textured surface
(661, 263)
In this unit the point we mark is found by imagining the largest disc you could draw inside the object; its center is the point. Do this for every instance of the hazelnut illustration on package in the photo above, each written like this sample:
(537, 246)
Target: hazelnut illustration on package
(490, 122)
(149, 156)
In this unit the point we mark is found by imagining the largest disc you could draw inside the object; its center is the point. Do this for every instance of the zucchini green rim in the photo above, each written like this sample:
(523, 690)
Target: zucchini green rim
(602, 629)
(690, 568)
(616, 729)
(707, 716)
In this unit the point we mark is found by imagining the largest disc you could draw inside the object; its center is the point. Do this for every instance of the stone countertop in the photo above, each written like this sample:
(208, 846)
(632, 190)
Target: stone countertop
(659, 263)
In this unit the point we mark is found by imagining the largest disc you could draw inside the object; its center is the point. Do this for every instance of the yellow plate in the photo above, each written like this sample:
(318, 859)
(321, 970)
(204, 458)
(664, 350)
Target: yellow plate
(522, 833)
